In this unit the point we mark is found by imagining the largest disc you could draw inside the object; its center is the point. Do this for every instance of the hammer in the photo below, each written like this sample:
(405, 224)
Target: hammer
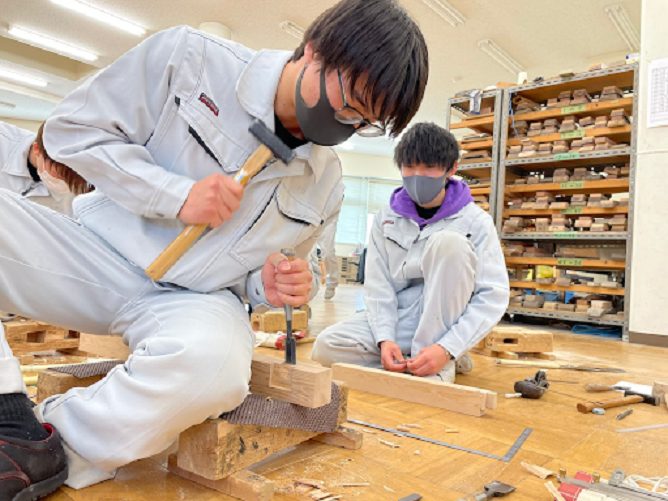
(271, 146)
(629, 397)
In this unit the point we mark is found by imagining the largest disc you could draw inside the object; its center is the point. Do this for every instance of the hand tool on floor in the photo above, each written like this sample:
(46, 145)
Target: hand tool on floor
(628, 398)
(270, 146)
(533, 388)
(290, 341)
(494, 489)
(554, 365)
(623, 415)
(505, 458)
(637, 389)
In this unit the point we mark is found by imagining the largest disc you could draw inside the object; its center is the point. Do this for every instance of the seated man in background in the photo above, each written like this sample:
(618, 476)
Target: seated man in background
(328, 255)
(26, 169)
(435, 280)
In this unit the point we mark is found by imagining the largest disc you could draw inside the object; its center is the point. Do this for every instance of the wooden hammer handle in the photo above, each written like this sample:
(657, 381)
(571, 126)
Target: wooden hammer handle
(191, 233)
(586, 407)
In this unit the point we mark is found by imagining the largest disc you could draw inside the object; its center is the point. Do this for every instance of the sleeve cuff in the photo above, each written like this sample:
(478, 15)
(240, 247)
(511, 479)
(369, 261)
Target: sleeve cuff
(169, 198)
(453, 348)
(385, 336)
(255, 288)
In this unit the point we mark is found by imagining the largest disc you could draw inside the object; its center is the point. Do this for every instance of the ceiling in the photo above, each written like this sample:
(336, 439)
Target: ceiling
(544, 36)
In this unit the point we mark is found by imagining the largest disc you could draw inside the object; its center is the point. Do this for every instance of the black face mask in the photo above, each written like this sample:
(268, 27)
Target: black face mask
(318, 123)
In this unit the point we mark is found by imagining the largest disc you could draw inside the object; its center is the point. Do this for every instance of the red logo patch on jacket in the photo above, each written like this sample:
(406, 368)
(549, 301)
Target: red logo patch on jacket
(208, 102)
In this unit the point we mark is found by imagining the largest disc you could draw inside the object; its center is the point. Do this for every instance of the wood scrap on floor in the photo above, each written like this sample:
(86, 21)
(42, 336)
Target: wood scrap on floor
(538, 471)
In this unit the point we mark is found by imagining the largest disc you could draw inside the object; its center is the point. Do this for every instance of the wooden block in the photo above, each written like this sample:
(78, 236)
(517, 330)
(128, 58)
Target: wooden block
(660, 391)
(274, 321)
(30, 336)
(50, 382)
(302, 384)
(344, 437)
(243, 484)
(519, 341)
(457, 398)
(216, 448)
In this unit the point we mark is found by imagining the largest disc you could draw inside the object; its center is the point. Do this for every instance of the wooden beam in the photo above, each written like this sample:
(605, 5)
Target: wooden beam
(216, 448)
(302, 384)
(454, 397)
(51, 382)
(243, 484)
(30, 336)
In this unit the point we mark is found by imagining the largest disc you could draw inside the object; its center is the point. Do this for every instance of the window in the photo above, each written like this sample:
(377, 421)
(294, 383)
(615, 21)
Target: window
(363, 197)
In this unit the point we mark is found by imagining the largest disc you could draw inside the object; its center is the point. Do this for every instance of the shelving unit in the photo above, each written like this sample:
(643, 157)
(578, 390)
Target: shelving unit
(525, 179)
(481, 176)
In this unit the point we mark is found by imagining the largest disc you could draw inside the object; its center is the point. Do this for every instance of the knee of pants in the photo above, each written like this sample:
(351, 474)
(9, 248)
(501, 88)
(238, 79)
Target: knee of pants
(218, 373)
(323, 349)
(449, 245)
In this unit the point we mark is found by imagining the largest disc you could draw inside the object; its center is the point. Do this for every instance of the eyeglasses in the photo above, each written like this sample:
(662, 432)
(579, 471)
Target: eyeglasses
(348, 115)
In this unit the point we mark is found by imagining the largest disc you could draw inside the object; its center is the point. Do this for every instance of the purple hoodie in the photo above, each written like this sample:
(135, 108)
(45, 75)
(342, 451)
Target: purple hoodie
(457, 195)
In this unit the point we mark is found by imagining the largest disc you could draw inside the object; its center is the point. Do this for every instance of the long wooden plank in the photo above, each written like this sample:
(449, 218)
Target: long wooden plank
(594, 109)
(51, 382)
(518, 341)
(572, 263)
(216, 448)
(598, 186)
(454, 397)
(575, 288)
(592, 132)
(583, 211)
(302, 384)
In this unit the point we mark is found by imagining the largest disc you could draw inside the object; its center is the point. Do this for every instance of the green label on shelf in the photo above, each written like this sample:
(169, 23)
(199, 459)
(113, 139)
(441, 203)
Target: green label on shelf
(577, 108)
(571, 155)
(565, 234)
(574, 134)
(572, 210)
(569, 261)
(569, 185)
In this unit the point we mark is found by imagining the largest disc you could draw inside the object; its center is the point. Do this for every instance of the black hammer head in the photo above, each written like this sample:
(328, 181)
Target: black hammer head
(271, 141)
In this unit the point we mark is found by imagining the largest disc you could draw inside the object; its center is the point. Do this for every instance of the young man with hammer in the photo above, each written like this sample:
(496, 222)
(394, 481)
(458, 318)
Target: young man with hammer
(160, 133)
(435, 280)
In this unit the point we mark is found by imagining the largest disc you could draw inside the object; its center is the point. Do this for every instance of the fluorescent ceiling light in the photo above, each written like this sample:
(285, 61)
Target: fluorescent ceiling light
(499, 55)
(24, 78)
(102, 16)
(292, 29)
(51, 44)
(446, 11)
(624, 26)
(6, 105)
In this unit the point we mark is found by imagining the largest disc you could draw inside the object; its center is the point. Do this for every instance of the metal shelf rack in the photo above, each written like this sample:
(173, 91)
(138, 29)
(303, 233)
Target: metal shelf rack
(624, 77)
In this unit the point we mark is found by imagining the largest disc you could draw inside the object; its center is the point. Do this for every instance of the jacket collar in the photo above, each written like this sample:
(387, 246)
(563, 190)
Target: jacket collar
(256, 92)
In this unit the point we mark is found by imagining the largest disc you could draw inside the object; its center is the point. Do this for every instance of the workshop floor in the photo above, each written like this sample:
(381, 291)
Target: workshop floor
(561, 436)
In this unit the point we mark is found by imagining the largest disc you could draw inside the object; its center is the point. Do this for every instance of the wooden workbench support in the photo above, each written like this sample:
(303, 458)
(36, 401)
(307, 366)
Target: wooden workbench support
(50, 382)
(454, 397)
(216, 448)
(30, 336)
(243, 484)
(302, 384)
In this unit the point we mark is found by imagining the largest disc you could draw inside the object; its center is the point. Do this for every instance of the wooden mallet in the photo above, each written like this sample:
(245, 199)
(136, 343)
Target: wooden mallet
(270, 146)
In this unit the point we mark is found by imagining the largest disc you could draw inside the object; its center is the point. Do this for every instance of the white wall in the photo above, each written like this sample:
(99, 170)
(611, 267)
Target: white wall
(361, 165)
(24, 124)
(649, 295)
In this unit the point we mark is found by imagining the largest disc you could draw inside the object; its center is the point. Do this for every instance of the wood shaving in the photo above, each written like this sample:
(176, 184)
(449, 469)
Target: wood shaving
(389, 444)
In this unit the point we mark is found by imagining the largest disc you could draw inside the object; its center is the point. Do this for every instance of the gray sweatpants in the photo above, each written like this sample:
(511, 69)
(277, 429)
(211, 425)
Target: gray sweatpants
(191, 352)
(429, 309)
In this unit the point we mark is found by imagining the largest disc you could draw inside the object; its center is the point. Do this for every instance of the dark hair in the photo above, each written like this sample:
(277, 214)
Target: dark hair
(376, 39)
(429, 144)
(75, 182)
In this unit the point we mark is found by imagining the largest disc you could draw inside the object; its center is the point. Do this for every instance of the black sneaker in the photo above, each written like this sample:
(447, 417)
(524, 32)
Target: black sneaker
(29, 469)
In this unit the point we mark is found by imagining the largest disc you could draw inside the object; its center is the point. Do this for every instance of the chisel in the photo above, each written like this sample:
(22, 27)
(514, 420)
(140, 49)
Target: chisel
(290, 341)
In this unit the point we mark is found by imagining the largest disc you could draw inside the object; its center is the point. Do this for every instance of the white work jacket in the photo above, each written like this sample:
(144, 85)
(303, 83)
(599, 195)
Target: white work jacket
(393, 275)
(172, 111)
(15, 144)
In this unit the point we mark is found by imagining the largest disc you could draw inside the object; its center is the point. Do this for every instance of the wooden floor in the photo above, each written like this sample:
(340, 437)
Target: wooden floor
(561, 436)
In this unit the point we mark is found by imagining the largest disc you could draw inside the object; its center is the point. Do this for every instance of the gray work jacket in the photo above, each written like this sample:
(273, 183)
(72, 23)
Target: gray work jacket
(172, 111)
